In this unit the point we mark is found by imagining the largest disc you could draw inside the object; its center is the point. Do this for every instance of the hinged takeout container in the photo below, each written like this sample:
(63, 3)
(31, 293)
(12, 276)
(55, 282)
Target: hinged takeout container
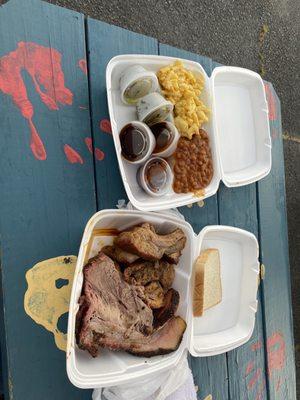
(238, 127)
(221, 328)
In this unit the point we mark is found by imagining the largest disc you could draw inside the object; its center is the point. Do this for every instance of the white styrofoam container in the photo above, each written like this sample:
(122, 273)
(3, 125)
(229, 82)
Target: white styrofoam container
(222, 328)
(238, 128)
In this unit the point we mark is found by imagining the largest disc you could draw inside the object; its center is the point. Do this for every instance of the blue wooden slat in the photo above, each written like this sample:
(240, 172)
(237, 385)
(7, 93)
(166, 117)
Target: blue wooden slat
(3, 360)
(275, 256)
(247, 364)
(210, 373)
(104, 42)
(44, 204)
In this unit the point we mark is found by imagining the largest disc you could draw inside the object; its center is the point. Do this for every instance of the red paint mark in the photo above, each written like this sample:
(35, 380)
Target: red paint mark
(36, 144)
(89, 144)
(256, 346)
(72, 155)
(105, 125)
(276, 352)
(274, 132)
(278, 384)
(271, 102)
(259, 395)
(43, 64)
(99, 154)
(83, 65)
(254, 378)
(249, 368)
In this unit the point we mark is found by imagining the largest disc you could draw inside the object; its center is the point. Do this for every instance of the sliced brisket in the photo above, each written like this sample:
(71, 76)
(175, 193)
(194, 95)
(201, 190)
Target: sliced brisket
(162, 341)
(113, 314)
(112, 307)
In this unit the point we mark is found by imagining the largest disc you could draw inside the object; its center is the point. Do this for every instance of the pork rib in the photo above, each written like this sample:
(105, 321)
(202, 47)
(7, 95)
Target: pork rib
(168, 310)
(144, 272)
(144, 242)
(119, 255)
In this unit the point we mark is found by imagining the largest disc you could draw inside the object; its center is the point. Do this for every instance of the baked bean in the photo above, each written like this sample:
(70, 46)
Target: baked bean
(193, 169)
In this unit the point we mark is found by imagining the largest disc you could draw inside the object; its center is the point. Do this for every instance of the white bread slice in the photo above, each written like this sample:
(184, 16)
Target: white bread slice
(207, 286)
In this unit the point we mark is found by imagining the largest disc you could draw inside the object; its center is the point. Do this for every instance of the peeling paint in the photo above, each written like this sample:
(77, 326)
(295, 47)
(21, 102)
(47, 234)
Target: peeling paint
(43, 301)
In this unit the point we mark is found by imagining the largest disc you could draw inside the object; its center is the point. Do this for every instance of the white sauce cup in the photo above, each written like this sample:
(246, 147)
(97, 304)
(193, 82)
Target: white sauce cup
(136, 82)
(153, 108)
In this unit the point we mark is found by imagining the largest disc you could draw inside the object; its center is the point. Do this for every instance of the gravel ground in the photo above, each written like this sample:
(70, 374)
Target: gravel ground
(260, 35)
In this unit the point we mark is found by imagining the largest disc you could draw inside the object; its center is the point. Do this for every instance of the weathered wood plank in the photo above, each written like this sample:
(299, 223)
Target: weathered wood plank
(46, 195)
(246, 364)
(104, 42)
(210, 373)
(275, 257)
(3, 360)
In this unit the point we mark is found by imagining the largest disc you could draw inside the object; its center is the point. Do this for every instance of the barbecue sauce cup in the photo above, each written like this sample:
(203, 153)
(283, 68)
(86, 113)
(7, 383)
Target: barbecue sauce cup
(166, 137)
(155, 177)
(137, 142)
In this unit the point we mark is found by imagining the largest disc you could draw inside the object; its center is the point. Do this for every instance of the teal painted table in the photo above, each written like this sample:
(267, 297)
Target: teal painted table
(58, 166)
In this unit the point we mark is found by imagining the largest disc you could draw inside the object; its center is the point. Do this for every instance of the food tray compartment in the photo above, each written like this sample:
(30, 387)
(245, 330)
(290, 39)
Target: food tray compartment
(231, 322)
(240, 112)
(111, 367)
(238, 127)
(120, 114)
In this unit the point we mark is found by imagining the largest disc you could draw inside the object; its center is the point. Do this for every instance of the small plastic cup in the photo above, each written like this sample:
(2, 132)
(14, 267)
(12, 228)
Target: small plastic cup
(153, 108)
(145, 145)
(161, 177)
(170, 149)
(136, 82)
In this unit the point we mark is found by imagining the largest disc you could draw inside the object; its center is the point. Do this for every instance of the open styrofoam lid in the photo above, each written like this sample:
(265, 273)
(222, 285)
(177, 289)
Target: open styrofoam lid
(231, 322)
(241, 123)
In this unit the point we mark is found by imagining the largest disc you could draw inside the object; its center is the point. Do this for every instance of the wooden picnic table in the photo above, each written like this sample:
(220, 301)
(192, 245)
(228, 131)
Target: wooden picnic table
(58, 167)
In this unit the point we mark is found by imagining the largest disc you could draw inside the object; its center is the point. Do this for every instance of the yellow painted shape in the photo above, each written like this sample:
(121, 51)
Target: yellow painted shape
(43, 301)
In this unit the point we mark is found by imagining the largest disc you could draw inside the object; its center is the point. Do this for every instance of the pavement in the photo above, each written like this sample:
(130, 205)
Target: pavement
(263, 35)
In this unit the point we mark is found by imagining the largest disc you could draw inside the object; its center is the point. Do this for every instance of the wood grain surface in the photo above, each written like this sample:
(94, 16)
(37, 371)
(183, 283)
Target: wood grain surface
(275, 257)
(58, 166)
(45, 203)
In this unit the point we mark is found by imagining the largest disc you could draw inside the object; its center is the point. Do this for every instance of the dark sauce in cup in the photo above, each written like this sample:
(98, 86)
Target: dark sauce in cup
(163, 136)
(156, 176)
(134, 143)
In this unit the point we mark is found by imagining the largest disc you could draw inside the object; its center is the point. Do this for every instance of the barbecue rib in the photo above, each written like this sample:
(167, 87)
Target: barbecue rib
(144, 242)
(168, 310)
(144, 272)
(113, 314)
(154, 295)
(119, 255)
